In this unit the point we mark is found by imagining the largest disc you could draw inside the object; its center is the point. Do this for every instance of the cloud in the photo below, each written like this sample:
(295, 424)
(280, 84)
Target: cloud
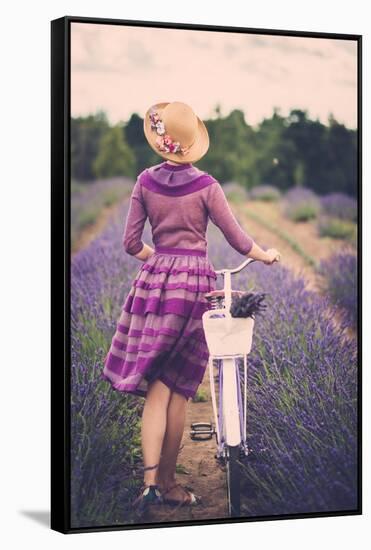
(289, 45)
(257, 41)
(94, 53)
(123, 69)
(348, 46)
(349, 82)
(197, 42)
(139, 55)
(230, 49)
(268, 70)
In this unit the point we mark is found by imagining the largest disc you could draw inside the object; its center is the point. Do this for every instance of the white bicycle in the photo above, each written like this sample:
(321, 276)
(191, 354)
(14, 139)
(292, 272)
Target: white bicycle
(228, 338)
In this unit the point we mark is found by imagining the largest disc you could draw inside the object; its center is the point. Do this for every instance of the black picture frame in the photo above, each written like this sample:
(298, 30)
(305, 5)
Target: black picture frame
(61, 264)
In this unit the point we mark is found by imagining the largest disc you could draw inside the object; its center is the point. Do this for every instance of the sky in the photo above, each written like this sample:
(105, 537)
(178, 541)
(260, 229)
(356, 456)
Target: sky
(125, 69)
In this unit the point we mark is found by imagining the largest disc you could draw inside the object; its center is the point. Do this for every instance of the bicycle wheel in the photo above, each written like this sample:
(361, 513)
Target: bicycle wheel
(233, 480)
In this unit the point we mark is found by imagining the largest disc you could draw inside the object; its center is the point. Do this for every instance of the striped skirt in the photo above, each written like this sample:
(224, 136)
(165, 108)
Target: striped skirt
(159, 334)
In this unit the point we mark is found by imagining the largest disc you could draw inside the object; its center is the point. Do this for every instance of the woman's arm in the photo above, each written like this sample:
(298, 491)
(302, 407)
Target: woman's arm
(136, 218)
(222, 216)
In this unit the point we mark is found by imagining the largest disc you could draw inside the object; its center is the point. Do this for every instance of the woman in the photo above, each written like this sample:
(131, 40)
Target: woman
(159, 350)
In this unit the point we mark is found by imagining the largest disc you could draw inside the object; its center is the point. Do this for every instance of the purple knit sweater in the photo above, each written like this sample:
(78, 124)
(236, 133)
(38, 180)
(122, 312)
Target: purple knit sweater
(178, 201)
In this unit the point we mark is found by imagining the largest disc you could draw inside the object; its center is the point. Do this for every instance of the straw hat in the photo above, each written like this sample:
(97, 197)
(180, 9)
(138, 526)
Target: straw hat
(175, 132)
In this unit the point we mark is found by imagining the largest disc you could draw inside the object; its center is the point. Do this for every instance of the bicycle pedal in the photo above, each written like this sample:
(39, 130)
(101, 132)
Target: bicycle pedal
(200, 425)
(201, 431)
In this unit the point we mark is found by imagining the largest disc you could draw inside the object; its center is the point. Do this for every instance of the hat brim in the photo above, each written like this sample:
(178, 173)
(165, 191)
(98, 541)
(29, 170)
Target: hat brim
(198, 149)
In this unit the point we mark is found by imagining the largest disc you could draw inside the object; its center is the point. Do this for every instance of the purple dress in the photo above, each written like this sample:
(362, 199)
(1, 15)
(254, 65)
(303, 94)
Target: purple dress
(159, 334)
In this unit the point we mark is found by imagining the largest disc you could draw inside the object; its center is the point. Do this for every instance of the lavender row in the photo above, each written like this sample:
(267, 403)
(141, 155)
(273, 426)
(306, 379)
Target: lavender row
(105, 429)
(302, 397)
(88, 200)
(340, 276)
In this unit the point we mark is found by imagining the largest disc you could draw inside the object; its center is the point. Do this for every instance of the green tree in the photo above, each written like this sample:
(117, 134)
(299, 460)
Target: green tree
(115, 158)
(341, 165)
(282, 151)
(231, 147)
(299, 173)
(327, 154)
(86, 134)
(309, 141)
(273, 160)
(144, 154)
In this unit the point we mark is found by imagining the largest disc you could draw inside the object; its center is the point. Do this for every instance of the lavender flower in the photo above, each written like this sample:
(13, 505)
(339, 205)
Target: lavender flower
(337, 228)
(301, 204)
(88, 200)
(340, 205)
(248, 305)
(267, 193)
(340, 282)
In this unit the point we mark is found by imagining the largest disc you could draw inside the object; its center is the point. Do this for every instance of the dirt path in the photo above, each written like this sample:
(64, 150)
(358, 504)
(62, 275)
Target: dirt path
(205, 476)
(304, 233)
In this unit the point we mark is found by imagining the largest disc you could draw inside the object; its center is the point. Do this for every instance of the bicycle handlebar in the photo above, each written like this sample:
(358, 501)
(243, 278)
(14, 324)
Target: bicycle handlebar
(236, 269)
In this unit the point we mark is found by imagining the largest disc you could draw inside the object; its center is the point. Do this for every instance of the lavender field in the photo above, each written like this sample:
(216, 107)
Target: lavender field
(105, 438)
(302, 417)
(302, 393)
(90, 198)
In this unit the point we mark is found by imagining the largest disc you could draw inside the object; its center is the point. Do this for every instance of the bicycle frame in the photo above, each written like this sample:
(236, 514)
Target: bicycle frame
(230, 416)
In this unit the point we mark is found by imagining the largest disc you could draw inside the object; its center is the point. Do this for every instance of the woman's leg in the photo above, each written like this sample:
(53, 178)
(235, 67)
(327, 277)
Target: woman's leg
(153, 427)
(176, 412)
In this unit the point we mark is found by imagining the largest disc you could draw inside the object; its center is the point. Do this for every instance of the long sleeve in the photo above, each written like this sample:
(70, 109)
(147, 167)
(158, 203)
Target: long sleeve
(135, 221)
(222, 216)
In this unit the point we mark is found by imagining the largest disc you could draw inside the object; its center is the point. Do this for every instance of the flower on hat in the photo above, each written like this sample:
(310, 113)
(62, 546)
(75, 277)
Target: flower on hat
(167, 139)
(163, 141)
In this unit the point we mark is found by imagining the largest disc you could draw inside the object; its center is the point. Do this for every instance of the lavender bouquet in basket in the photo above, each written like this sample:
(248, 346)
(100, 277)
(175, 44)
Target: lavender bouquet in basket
(248, 304)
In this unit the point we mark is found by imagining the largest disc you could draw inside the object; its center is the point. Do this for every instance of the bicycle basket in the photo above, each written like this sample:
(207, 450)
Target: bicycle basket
(226, 335)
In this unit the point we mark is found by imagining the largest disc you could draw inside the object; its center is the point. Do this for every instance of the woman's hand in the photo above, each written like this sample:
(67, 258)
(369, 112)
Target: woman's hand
(272, 256)
(145, 253)
(268, 257)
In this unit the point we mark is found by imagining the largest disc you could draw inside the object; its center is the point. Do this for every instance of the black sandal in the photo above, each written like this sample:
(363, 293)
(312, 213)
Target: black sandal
(149, 494)
(191, 500)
